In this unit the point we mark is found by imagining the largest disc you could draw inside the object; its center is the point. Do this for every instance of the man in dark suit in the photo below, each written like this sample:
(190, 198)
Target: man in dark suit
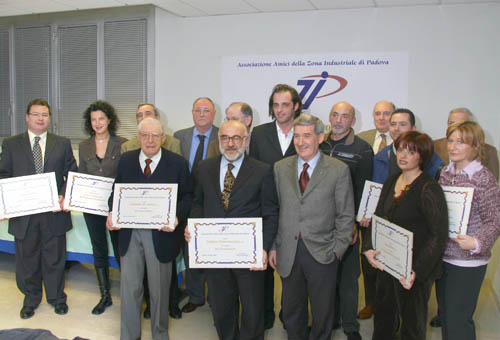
(40, 239)
(315, 226)
(270, 143)
(152, 248)
(194, 147)
(252, 193)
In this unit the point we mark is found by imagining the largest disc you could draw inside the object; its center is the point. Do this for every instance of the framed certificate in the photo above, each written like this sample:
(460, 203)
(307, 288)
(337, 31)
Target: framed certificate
(395, 245)
(225, 242)
(27, 195)
(88, 193)
(369, 200)
(142, 205)
(459, 202)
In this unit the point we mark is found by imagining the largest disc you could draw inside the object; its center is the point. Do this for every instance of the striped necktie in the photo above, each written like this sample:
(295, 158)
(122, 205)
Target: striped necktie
(147, 169)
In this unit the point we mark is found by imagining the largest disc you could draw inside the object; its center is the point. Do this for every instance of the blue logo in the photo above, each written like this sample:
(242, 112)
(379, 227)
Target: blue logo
(308, 81)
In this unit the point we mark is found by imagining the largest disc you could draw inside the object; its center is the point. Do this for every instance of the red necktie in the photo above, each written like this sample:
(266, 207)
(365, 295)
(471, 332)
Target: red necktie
(147, 169)
(304, 178)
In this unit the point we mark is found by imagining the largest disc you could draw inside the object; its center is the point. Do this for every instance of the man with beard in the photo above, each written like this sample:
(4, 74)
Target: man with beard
(342, 144)
(229, 186)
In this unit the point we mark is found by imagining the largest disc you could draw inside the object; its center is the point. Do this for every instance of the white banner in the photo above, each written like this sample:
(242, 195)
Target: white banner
(361, 78)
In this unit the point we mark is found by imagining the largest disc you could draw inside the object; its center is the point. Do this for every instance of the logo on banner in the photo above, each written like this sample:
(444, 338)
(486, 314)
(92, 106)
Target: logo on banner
(313, 84)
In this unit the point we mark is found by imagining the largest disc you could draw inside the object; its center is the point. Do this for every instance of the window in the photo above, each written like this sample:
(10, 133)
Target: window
(5, 106)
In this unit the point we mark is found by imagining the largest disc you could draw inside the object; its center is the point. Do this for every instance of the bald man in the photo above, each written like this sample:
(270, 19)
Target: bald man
(380, 137)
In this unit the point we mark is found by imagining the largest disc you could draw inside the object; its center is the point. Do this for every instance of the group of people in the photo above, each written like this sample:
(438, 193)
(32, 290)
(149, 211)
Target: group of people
(305, 183)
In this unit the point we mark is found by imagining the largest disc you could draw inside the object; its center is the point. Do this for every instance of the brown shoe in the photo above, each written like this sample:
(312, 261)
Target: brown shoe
(366, 312)
(190, 307)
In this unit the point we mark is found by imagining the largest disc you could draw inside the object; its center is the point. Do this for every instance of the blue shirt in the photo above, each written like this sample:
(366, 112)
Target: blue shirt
(195, 142)
(312, 164)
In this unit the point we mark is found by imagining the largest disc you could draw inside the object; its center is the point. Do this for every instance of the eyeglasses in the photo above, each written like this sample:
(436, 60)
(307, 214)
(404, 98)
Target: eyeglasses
(153, 136)
(38, 114)
(236, 139)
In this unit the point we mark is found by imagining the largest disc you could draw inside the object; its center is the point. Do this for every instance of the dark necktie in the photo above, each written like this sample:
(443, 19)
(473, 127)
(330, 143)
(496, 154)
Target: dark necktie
(304, 178)
(228, 186)
(147, 169)
(37, 155)
(383, 142)
(198, 156)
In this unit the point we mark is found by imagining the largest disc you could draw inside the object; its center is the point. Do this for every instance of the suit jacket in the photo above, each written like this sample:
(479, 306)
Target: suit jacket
(171, 169)
(253, 195)
(185, 137)
(170, 143)
(17, 160)
(368, 135)
(89, 164)
(323, 215)
(213, 149)
(490, 160)
(265, 145)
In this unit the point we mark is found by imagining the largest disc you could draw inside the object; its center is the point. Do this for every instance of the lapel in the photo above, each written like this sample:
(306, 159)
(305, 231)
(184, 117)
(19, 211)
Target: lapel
(26, 146)
(213, 172)
(186, 142)
(274, 141)
(318, 174)
(293, 175)
(243, 175)
(49, 146)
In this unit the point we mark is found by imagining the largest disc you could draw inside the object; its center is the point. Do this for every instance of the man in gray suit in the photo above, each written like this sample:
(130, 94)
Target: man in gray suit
(315, 225)
(40, 239)
(194, 147)
(379, 137)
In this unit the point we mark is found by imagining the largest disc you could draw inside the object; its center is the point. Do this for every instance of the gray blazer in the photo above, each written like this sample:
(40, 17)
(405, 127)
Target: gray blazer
(89, 164)
(323, 215)
(186, 135)
(369, 136)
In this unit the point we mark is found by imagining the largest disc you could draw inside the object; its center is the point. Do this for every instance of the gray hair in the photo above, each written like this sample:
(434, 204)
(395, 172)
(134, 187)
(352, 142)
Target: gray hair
(206, 98)
(463, 110)
(152, 121)
(385, 101)
(245, 109)
(237, 122)
(307, 119)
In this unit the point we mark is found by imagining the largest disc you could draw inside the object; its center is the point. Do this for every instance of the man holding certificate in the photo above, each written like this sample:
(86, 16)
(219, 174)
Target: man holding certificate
(231, 186)
(153, 248)
(40, 239)
(315, 226)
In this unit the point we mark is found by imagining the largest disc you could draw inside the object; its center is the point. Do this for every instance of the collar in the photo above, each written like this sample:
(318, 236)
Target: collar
(206, 134)
(349, 140)
(280, 131)
(312, 162)
(156, 158)
(469, 170)
(31, 135)
(237, 163)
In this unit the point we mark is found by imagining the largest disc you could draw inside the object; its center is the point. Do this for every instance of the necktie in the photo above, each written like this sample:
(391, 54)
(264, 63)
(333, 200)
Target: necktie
(383, 142)
(147, 169)
(228, 186)
(304, 178)
(198, 156)
(37, 155)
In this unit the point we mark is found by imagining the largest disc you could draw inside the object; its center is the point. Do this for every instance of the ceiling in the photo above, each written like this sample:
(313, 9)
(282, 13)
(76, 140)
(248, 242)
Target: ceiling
(197, 8)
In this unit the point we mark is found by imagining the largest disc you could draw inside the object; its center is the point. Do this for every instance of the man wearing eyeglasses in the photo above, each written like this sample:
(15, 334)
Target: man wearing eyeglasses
(236, 111)
(154, 249)
(194, 147)
(40, 239)
(145, 111)
(229, 186)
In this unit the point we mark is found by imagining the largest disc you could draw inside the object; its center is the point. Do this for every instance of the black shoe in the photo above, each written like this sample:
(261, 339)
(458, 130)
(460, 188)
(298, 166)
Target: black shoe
(61, 308)
(175, 312)
(147, 312)
(104, 287)
(27, 312)
(353, 336)
(435, 322)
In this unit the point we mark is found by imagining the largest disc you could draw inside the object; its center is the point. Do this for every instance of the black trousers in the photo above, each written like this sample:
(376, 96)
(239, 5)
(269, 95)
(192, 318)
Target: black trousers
(313, 280)
(227, 287)
(96, 226)
(458, 290)
(369, 273)
(398, 308)
(40, 257)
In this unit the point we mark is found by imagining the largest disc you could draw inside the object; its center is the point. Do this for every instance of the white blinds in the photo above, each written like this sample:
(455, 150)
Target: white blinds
(4, 84)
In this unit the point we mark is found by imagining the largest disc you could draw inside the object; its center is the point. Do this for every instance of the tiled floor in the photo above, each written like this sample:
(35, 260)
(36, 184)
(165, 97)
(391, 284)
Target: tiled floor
(82, 292)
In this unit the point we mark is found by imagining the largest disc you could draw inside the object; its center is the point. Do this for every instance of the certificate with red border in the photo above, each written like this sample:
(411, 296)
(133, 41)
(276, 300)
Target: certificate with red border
(146, 206)
(225, 242)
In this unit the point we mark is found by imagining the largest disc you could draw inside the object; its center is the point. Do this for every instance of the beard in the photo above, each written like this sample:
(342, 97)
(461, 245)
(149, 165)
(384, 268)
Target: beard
(232, 157)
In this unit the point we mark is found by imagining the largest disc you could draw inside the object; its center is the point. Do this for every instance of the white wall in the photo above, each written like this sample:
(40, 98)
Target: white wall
(454, 51)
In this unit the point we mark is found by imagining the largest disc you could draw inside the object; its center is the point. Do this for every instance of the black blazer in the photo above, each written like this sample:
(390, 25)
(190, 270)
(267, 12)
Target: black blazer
(171, 169)
(265, 145)
(89, 164)
(253, 195)
(17, 160)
